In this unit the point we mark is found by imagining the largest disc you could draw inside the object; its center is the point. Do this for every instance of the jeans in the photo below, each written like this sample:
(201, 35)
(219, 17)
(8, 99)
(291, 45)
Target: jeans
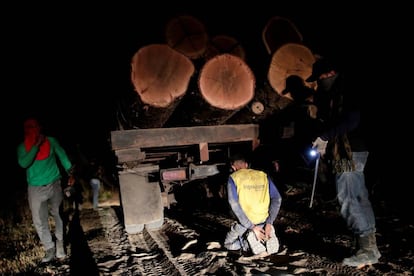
(95, 185)
(234, 239)
(43, 199)
(353, 197)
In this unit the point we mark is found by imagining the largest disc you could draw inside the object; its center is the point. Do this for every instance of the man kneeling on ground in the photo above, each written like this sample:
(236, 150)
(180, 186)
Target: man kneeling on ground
(255, 201)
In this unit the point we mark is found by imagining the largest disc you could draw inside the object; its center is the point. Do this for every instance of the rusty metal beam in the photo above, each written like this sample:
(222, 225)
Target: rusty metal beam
(182, 136)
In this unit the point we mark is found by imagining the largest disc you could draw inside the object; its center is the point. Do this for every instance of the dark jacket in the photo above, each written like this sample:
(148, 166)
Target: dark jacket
(339, 114)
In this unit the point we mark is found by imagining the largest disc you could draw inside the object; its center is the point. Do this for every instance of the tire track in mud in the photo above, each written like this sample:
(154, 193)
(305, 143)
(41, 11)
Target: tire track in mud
(186, 244)
(170, 250)
(138, 254)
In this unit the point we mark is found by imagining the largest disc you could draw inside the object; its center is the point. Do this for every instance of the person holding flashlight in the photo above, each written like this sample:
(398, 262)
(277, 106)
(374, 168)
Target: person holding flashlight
(340, 139)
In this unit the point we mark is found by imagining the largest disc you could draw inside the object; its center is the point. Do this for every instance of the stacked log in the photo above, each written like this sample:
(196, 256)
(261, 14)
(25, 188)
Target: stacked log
(187, 35)
(167, 95)
(225, 85)
(160, 76)
(279, 31)
(224, 44)
(290, 59)
(265, 103)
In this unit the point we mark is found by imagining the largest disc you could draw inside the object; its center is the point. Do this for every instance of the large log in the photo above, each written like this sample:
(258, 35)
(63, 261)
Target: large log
(279, 31)
(265, 103)
(290, 59)
(160, 76)
(223, 44)
(187, 35)
(225, 85)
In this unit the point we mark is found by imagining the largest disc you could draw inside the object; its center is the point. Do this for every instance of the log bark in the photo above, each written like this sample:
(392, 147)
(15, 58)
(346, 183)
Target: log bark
(223, 44)
(187, 35)
(160, 76)
(290, 59)
(279, 31)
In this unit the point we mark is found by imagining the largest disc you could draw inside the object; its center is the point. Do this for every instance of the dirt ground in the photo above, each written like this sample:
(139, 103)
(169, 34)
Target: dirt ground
(313, 241)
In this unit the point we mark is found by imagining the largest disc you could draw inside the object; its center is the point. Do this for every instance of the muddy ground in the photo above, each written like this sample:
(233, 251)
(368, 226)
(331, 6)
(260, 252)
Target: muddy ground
(313, 241)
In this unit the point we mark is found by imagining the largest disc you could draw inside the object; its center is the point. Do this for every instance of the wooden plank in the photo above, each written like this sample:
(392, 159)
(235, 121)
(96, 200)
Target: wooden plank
(182, 136)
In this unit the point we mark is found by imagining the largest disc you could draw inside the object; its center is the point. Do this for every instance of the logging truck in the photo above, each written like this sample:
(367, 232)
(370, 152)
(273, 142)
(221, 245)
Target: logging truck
(181, 120)
(175, 132)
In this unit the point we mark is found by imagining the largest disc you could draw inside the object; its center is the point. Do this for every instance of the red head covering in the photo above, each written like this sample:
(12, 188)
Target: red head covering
(32, 133)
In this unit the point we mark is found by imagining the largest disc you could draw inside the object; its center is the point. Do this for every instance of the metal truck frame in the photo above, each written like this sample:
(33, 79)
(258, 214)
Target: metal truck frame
(153, 161)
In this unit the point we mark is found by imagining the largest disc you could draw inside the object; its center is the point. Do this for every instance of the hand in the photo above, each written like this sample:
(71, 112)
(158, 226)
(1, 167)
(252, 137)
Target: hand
(71, 180)
(320, 146)
(40, 140)
(259, 233)
(276, 165)
(268, 231)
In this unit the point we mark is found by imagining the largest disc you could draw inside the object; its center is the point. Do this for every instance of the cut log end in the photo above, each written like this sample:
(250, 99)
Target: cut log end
(227, 82)
(290, 59)
(160, 74)
(187, 35)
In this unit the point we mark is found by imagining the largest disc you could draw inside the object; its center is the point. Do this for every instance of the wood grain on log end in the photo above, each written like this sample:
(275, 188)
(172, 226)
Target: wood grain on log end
(290, 59)
(160, 74)
(187, 35)
(227, 82)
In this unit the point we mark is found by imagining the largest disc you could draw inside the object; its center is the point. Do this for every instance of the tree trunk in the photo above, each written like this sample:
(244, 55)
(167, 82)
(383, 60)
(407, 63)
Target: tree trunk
(223, 44)
(265, 103)
(226, 84)
(187, 35)
(279, 31)
(160, 76)
(290, 59)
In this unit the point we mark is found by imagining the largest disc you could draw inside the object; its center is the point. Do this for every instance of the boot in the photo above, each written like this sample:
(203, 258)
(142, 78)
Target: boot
(49, 255)
(272, 244)
(255, 245)
(60, 249)
(373, 245)
(367, 254)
